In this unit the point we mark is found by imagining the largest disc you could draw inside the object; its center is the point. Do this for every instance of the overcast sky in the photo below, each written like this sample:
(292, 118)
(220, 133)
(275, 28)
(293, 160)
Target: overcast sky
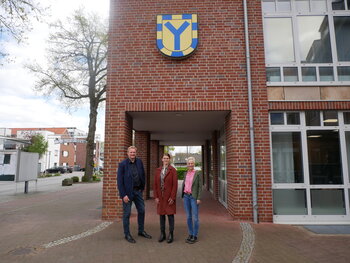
(20, 106)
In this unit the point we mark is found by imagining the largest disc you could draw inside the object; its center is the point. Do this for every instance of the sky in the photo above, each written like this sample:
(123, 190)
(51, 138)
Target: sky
(20, 105)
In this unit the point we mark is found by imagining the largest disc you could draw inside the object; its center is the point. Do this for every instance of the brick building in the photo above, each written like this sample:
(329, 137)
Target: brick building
(68, 152)
(293, 72)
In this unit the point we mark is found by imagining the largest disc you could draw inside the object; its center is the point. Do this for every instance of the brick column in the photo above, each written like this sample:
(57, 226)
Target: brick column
(117, 140)
(142, 142)
(239, 180)
(206, 164)
(160, 152)
(155, 162)
(204, 168)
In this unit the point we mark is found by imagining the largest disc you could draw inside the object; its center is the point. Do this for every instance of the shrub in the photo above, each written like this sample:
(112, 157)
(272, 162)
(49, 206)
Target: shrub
(98, 173)
(67, 182)
(181, 172)
(57, 174)
(85, 179)
(48, 175)
(96, 178)
(75, 179)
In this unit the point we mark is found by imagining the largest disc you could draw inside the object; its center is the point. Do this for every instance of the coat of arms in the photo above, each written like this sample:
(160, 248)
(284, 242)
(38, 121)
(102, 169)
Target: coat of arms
(177, 35)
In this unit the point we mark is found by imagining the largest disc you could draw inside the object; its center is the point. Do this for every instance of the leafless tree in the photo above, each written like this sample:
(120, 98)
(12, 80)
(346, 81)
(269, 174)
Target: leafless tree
(76, 68)
(15, 18)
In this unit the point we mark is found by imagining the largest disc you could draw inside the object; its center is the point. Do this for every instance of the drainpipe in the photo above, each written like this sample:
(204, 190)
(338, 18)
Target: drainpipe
(251, 120)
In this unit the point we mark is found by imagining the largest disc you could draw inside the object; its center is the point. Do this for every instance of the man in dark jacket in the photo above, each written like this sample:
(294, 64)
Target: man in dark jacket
(131, 183)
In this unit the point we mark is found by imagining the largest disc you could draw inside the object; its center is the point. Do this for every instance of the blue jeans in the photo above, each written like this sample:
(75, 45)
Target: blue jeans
(140, 207)
(191, 209)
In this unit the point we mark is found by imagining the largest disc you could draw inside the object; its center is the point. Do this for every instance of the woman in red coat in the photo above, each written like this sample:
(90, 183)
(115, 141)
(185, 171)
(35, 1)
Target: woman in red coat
(165, 189)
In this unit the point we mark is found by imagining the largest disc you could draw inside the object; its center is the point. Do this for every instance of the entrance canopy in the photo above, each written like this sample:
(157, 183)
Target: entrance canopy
(180, 127)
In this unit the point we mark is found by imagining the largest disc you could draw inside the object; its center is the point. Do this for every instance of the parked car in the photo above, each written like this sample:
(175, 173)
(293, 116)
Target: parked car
(69, 169)
(57, 169)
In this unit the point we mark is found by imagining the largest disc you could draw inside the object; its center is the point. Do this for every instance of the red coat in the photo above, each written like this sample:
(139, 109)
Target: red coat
(170, 190)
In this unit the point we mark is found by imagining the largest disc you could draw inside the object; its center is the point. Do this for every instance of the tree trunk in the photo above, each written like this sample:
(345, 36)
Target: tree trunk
(90, 145)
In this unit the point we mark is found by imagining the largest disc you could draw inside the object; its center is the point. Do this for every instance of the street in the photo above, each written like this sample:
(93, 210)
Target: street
(12, 190)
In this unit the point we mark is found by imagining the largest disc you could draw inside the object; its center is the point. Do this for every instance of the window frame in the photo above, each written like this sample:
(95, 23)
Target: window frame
(302, 128)
(293, 14)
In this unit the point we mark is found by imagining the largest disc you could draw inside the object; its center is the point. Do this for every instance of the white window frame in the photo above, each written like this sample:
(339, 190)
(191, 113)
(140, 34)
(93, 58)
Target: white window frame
(293, 14)
(309, 218)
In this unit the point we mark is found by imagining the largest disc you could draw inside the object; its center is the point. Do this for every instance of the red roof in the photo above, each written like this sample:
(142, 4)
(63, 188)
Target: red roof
(54, 130)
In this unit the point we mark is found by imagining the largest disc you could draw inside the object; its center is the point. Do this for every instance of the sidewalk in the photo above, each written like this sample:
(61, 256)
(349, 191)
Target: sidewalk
(29, 223)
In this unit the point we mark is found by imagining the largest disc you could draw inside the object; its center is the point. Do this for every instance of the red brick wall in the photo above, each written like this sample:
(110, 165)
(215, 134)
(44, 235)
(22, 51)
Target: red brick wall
(309, 105)
(71, 154)
(81, 154)
(142, 142)
(206, 163)
(215, 165)
(118, 137)
(214, 78)
(155, 161)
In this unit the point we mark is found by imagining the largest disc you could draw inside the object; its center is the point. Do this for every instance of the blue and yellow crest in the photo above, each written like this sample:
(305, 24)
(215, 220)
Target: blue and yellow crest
(177, 35)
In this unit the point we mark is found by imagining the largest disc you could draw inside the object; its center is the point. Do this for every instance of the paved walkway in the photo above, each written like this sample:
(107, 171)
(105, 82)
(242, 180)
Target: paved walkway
(65, 226)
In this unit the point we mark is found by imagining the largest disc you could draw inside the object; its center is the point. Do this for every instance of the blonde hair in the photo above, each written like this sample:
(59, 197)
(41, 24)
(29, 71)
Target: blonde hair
(132, 147)
(191, 159)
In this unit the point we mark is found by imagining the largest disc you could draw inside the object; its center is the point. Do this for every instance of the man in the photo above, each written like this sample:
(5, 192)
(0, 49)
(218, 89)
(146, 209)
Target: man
(131, 183)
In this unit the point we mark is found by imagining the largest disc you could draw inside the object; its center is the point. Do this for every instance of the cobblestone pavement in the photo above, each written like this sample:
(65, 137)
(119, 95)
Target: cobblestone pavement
(65, 226)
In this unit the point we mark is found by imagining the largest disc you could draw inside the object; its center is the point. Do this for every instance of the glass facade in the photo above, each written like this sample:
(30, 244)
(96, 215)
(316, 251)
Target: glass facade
(307, 42)
(324, 157)
(279, 47)
(289, 202)
(310, 164)
(287, 157)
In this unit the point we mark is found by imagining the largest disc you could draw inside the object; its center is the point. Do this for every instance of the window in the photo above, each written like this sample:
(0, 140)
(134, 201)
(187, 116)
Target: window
(310, 153)
(278, 118)
(293, 118)
(314, 42)
(347, 117)
(324, 157)
(327, 202)
(307, 42)
(7, 159)
(279, 46)
(64, 153)
(289, 202)
(347, 142)
(287, 157)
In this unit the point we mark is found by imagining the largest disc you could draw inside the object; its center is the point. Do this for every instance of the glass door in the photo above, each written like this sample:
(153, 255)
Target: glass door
(222, 171)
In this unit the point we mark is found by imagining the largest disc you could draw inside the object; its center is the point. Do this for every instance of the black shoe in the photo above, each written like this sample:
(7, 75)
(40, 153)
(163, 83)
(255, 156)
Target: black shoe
(171, 237)
(194, 239)
(144, 234)
(188, 239)
(130, 239)
(162, 236)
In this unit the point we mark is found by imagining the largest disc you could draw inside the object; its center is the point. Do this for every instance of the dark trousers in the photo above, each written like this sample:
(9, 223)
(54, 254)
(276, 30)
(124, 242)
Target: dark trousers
(140, 207)
(171, 220)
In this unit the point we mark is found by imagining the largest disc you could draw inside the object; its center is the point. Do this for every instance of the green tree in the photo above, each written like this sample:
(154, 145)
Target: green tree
(77, 68)
(169, 149)
(38, 145)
